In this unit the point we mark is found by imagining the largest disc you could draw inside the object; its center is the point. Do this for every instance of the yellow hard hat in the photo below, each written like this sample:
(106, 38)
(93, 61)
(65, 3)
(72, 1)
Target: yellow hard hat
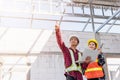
(93, 40)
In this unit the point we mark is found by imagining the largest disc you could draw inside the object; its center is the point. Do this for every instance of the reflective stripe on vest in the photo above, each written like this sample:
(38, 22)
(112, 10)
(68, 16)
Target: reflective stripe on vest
(94, 71)
(96, 60)
(73, 66)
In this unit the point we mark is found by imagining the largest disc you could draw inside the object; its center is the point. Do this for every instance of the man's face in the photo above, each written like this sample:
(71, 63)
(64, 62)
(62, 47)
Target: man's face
(73, 41)
(92, 45)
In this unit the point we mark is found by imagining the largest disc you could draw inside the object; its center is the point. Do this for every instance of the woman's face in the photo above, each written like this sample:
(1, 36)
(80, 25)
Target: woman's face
(92, 45)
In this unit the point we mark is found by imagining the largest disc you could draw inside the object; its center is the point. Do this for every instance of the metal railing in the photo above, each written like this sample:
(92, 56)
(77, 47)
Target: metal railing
(117, 74)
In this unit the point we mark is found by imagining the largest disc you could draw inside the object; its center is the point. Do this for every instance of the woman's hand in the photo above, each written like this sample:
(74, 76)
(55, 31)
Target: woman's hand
(88, 59)
(99, 50)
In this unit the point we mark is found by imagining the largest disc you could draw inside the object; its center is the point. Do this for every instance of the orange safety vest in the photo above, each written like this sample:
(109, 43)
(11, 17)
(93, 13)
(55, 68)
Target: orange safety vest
(94, 71)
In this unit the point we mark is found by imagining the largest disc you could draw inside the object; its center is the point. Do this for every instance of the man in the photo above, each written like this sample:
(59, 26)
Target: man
(71, 56)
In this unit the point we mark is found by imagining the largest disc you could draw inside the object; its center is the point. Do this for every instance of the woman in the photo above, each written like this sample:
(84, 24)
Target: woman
(94, 60)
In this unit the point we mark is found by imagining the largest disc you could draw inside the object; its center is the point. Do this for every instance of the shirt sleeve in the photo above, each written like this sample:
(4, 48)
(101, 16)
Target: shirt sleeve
(101, 59)
(59, 40)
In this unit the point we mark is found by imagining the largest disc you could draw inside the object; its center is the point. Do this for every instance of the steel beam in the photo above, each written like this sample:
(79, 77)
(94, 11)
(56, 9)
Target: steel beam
(88, 15)
(92, 17)
(83, 9)
(107, 21)
(76, 21)
(86, 25)
(66, 14)
(31, 54)
(111, 10)
(103, 11)
(72, 9)
(112, 24)
(70, 15)
(32, 15)
(5, 31)
(86, 3)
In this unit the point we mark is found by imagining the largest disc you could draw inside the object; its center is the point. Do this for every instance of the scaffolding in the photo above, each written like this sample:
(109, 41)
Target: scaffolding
(86, 9)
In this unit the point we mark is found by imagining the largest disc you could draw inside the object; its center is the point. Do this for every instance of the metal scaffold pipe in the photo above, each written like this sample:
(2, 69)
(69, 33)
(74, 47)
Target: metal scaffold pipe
(107, 21)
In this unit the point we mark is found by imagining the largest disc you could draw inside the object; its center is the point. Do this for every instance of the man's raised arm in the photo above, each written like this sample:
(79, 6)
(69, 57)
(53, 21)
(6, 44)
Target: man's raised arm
(58, 36)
